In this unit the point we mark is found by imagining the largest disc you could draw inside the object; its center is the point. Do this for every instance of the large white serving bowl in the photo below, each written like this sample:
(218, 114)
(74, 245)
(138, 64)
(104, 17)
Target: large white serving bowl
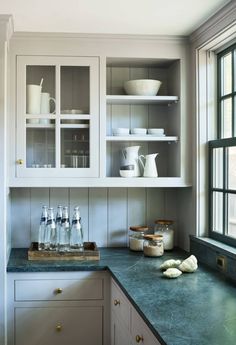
(142, 87)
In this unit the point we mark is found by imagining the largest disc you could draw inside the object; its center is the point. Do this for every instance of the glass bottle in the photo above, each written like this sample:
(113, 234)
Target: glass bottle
(42, 228)
(64, 232)
(136, 238)
(58, 221)
(165, 228)
(153, 245)
(76, 235)
(50, 239)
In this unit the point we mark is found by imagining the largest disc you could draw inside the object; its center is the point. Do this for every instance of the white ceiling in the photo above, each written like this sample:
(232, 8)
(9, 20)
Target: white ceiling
(155, 17)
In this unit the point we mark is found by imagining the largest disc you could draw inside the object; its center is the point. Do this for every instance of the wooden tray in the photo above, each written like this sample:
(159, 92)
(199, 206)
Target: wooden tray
(90, 252)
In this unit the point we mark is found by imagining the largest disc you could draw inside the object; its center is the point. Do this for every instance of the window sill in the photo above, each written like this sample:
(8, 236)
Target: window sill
(207, 251)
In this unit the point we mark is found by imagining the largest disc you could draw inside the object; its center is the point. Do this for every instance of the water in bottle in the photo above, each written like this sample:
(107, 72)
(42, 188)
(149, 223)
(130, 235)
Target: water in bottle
(64, 232)
(42, 228)
(76, 236)
(50, 238)
(58, 222)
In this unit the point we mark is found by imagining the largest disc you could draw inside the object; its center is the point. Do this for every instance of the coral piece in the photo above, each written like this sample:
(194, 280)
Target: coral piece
(189, 265)
(172, 273)
(170, 264)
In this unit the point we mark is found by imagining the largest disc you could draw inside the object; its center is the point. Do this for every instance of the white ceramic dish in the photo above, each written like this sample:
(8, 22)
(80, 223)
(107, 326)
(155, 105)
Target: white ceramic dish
(156, 131)
(139, 131)
(120, 131)
(127, 173)
(142, 87)
(72, 111)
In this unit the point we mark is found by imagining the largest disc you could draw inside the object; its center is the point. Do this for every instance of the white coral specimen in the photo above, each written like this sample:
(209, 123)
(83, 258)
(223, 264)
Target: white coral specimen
(189, 265)
(172, 273)
(170, 264)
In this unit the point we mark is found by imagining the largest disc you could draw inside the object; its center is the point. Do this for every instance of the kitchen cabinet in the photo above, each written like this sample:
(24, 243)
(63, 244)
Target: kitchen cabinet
(161, 111)
(127, 327)
(57, 136)
(75, 137)
(58, 308)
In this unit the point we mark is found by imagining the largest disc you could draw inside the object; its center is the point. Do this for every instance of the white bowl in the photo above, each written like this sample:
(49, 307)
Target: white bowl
(120, 131)
(127, 173)
(156, 131)
(142, 87)
(139, 131)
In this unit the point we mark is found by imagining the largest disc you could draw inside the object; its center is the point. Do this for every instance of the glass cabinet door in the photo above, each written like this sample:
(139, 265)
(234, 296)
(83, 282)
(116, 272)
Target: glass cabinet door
(57, 117)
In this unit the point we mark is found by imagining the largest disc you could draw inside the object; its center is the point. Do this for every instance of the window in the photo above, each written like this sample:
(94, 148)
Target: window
(222, 153)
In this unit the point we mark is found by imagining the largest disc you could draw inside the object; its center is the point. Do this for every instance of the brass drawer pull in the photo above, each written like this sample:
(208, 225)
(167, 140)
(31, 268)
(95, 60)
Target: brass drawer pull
(19, 161)
(116, 302)
(139, 338)
(58, 327)
(58, 291)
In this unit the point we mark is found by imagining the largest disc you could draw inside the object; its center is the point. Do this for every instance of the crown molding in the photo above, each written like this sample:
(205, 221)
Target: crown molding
(92, 36)
(225, 17)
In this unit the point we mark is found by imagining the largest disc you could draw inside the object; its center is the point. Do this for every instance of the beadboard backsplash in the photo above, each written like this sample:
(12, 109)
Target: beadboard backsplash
(106, 213)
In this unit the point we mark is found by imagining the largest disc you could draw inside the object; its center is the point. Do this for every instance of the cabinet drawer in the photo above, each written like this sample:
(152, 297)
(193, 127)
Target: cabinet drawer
(120, 305)
(58, 289)
(68, 325)
(140, 333)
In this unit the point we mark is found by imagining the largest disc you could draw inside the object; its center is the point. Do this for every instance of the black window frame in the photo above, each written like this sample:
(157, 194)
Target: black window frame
(223, 143)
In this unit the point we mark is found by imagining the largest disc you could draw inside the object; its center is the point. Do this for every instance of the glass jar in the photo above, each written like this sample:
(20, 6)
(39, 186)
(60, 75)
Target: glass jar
(165, 228)
(136, 238)
(153, 245)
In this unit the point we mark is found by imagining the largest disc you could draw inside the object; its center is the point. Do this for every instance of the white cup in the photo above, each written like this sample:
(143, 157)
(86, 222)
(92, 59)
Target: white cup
(33, 99)
(45, 103)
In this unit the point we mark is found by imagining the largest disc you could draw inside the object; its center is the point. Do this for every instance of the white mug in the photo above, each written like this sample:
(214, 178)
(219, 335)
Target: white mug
(33, 99)
(45, 103)
(45, 106)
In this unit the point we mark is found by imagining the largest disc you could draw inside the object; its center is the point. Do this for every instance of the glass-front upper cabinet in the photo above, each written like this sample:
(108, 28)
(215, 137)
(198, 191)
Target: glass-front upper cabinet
(57, 117)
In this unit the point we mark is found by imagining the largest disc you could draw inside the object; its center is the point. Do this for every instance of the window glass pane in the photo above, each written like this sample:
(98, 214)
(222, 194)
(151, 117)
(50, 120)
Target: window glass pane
(232, 167)
(75, 86)
(226, 74)
(217, 212)
(40, 144)
(234, 69)
(226, 113)
(232, 215)
(75, 146)
(217, 169)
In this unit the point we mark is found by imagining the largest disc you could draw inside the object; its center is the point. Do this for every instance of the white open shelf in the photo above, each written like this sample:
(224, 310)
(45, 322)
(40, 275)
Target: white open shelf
(125, 99)
(147, 137)
(161, 182)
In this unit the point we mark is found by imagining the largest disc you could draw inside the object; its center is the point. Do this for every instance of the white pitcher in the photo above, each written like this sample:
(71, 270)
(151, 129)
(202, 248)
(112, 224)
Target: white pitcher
(149, 168)
(130, 156)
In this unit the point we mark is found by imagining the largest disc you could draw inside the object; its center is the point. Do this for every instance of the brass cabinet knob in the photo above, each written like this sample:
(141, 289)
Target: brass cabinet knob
(58, 327)
(116, 302)
(20, 161)
(58, 290)
(139, 338)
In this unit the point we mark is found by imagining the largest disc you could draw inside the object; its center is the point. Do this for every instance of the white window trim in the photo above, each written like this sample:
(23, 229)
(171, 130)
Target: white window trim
(205, 121)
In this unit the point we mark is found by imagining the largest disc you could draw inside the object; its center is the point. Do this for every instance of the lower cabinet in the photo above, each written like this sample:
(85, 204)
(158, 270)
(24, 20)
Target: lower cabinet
(59, 326)
(127, 327)
(59, 308)
(72, 308)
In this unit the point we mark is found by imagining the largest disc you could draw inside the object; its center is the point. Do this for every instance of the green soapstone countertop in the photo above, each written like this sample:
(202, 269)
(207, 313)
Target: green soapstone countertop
(194, 309)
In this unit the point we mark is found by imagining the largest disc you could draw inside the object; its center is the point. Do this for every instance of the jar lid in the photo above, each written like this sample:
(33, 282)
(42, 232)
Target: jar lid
(164, 222)
(153, 237)
(139, 228)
